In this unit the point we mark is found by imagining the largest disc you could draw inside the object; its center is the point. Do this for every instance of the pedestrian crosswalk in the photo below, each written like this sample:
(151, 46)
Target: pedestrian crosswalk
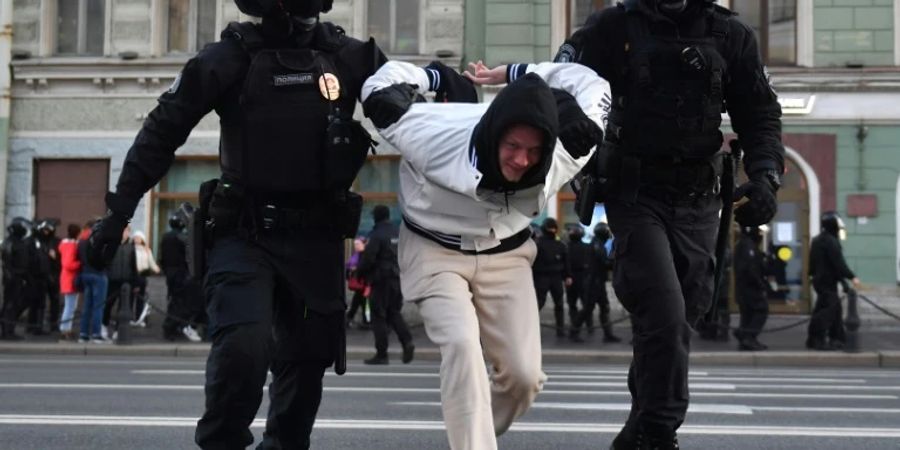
(783, 407)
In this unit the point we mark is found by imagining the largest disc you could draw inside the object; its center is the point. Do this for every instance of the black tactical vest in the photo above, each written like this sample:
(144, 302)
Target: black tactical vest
(292, 103)
(673, 100)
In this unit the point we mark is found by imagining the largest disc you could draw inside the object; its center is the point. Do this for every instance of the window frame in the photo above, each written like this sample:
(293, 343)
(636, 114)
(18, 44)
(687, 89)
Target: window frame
(762, 34)
(50, 32)
(193, 26)
(388, 47)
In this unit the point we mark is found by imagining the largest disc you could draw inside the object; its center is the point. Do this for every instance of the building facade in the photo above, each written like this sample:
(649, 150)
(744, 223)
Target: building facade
(836, 66)
(87, 72)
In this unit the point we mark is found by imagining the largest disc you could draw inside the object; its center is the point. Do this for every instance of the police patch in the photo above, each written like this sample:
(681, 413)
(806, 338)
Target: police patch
(175, 85)
(292, 79)
(566, 54)
(330, 87)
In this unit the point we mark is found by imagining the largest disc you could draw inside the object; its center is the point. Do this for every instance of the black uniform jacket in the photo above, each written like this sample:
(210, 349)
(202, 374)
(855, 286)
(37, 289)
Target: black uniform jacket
(213, 80)
(826, 262)
(750, 99)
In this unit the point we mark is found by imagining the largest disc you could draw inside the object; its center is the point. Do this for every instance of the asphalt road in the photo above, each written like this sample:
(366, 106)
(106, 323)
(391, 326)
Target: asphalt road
(56, 402)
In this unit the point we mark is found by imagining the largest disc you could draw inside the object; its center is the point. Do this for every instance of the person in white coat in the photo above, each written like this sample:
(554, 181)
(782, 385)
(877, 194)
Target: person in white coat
(472, 178)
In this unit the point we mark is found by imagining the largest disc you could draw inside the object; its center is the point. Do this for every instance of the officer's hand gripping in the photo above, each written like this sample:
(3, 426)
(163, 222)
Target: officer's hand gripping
(386, 106)
(106, 235)
(761, 204)
(578, 133)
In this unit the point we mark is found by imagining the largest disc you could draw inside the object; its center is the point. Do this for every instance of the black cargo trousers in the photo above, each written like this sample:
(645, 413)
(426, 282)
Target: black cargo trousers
(275, 302)
(663, 274)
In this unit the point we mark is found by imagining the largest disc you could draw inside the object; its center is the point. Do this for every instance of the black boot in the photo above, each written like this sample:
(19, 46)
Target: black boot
(377, 360)
(608, 335)
(408, 353)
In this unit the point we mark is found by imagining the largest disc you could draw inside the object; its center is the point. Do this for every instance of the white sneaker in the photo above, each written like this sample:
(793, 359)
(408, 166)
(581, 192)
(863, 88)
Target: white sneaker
(191, 334)
(104, 332)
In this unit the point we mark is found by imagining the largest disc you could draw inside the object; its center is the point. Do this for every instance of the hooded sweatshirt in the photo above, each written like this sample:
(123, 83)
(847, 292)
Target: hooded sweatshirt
(451, 188)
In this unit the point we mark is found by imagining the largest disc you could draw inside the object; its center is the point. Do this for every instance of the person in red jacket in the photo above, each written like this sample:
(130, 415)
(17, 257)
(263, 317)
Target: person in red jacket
(68, 251)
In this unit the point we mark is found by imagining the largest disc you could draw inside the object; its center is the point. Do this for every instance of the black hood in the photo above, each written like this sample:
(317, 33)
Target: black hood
(526, 101)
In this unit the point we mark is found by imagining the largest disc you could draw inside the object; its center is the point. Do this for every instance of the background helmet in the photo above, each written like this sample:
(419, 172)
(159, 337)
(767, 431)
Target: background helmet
(301, 8)
(177, 220)
(576, 233)
(47, 226)
(19, 228)
(832, 224)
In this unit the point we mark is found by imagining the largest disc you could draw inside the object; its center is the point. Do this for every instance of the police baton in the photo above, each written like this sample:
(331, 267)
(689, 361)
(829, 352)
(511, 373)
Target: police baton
(729, 169)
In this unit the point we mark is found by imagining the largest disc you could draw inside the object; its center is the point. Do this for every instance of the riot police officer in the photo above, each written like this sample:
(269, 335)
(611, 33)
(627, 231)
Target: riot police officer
(551, 271)
(19, 259)
(750, 288)
(595, 287)
(827, 267)
(181, 289)
(674, 65)
(579, 262)
(48, 243)
(285, 91)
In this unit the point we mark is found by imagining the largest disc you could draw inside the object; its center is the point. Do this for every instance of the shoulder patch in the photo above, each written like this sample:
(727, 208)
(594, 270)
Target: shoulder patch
(566, 54)
(175, 84)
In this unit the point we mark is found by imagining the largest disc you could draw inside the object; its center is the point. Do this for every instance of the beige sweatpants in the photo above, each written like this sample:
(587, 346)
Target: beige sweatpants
(471, 303)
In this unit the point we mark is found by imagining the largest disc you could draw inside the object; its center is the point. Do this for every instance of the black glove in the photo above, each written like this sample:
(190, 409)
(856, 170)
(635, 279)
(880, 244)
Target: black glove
(451, 86)
(106, 235)
(762, 204)
(578, 133)
(386, 106)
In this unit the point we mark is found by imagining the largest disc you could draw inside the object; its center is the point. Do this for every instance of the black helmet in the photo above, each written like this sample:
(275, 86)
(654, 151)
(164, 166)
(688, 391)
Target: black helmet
(48, 225)
(177, 220)
(576, 233)
(19, 228)
(602, 232)
(832, 224)
(301, 8)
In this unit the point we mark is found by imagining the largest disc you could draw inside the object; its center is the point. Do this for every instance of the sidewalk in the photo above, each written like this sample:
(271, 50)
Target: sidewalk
(879, 338)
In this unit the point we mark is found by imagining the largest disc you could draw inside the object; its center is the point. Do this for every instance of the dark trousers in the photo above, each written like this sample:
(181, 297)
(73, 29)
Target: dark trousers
(36, 292)
(184, 300)
(387, 301)
(716, 329)
(574, 293)
(13, 304)
(595, 295)
(552, 283)
(272, 306)
(53, 311)
(113, 300)
(754, 308)
(827, 316)
(663, 275)
(357, 303)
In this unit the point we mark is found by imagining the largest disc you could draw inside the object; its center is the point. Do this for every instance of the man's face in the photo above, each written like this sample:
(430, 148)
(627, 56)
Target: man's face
(520, 150)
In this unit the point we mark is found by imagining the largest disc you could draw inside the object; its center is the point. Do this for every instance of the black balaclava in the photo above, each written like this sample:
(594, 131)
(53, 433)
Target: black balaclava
(526, 101)
(670, 9)
(286, 18)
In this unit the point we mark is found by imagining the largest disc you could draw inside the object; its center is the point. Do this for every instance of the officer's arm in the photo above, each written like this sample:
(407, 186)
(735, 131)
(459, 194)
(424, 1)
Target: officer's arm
(195, 92)
(836, 257)
(591, 45)
(753, 104)
(391, 75)
(590, 91)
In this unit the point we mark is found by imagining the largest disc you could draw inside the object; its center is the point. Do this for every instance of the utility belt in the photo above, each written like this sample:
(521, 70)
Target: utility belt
(227, 208)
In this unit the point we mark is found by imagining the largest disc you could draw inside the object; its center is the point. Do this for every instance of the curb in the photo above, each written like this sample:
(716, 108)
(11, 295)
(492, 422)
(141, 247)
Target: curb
(888, 359)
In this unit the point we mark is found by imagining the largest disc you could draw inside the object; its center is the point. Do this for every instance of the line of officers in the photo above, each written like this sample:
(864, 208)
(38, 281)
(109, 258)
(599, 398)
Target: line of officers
(581, 270)
(31, 267)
